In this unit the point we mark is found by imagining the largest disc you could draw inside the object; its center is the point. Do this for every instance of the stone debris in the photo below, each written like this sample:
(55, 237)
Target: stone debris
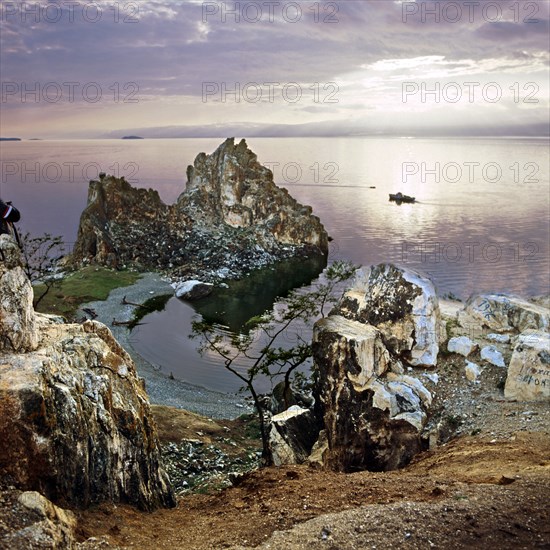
(462, 345)
(192, 465)
(473, 370)
(492, 355)
(499, 338)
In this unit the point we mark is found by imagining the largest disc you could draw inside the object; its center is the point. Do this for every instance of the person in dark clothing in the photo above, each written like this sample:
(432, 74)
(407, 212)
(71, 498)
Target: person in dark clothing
(8, 214)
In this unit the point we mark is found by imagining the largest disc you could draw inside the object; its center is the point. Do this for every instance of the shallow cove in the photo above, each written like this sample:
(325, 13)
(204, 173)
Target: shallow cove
(162, 338)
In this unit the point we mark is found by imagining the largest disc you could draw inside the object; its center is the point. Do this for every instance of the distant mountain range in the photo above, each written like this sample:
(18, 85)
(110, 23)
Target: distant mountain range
(334, 129)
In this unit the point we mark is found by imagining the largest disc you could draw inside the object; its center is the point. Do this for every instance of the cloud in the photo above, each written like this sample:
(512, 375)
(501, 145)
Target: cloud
(172, 48)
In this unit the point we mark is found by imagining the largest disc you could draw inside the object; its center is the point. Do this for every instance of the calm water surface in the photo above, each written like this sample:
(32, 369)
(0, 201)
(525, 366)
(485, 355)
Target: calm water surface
(481, 222)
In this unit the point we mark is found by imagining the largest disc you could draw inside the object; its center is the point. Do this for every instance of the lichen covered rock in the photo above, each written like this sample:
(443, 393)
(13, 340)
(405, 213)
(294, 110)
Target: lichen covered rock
(31, 522)
(373, 416)
(292, 435)
(75, 421)
(503, 313)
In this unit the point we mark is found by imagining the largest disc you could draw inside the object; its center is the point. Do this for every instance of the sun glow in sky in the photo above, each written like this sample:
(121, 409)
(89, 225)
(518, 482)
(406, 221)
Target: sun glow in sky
(211, 69)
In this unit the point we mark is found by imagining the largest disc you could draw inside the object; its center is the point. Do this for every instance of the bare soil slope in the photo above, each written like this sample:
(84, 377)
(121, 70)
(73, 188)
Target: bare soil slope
(472, 492)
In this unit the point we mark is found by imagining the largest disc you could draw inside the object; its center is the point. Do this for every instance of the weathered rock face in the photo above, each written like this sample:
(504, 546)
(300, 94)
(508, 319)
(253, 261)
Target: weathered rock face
(240, 192)
(122, 224)
(402, 305)
(503, 313)
(230, 217)
(17, 326)
(33, 522)
(75, 422)
(528, 376)
(373, 416)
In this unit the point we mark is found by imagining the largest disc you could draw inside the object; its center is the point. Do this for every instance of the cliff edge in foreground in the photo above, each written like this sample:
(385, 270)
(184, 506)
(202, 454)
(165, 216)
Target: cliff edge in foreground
(75, 421)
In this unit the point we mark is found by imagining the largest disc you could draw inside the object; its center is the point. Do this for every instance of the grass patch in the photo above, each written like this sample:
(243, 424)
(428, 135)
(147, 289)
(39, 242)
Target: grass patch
(85, 285)
(156, 303)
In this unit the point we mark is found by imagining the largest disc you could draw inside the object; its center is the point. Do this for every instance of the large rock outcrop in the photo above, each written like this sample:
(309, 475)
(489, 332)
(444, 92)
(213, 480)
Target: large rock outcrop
(402, 305)
(373, 413)
(230, 186)
(75, 421)
(231, 218)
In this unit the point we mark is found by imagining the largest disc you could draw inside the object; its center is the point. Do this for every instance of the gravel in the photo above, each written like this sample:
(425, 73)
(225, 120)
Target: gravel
(162, 389)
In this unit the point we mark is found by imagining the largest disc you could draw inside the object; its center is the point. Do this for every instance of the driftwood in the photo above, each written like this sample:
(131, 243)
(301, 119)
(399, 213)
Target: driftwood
(90, 312)
(116, 323)
(125, 302)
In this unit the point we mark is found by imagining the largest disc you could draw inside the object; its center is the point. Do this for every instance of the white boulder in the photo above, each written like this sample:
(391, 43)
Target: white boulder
(529, 371)
(461, 345)
(193, 290)
(493, 356)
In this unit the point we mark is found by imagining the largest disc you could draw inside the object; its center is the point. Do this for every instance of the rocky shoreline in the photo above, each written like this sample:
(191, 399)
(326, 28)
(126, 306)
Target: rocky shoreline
(162, 389)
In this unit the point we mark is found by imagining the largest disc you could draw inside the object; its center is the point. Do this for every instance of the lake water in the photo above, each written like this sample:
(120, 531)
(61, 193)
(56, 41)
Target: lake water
(481, 221)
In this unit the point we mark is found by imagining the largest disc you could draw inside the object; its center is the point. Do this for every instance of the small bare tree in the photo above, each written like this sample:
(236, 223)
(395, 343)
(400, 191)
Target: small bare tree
(41, 255)
(273, 360)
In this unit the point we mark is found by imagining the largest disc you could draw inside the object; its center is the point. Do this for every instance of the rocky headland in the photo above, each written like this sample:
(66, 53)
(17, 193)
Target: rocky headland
(230, 219)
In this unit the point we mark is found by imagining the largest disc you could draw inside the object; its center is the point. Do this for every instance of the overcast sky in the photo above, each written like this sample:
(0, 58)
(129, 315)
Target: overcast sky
(159, 69)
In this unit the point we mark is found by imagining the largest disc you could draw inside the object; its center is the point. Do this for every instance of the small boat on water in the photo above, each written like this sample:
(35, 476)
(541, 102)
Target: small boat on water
(399, 197)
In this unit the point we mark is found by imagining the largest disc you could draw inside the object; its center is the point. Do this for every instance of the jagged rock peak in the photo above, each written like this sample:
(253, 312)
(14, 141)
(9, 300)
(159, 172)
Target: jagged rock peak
(232, 186)
(231, 216)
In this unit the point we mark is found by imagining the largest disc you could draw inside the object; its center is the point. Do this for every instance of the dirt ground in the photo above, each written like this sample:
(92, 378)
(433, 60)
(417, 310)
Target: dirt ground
(471, 492)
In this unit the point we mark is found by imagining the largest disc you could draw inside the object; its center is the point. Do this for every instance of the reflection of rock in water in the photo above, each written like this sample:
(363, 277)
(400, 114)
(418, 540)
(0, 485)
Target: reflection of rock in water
(231, 218)
(233, 306)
